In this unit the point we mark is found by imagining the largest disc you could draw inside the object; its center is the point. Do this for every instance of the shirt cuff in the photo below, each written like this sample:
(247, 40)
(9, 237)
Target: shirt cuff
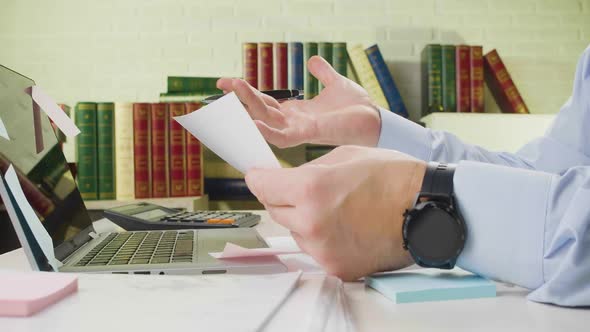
(401, 134)
(504, 211)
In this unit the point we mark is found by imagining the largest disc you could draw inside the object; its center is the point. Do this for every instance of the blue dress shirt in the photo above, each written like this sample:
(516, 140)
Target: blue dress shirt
(527, 213)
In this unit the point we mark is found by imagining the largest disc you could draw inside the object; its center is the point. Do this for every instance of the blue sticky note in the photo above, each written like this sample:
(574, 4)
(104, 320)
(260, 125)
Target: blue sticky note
(431, 285)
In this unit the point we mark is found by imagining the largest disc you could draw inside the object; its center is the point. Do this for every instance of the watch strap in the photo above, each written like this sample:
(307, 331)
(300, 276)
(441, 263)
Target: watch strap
(438, 179)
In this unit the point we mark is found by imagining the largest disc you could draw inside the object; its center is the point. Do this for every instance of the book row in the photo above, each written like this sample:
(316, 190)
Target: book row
(136, 150)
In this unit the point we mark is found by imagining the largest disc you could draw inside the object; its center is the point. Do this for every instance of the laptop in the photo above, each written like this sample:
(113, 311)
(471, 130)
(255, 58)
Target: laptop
(52, 193)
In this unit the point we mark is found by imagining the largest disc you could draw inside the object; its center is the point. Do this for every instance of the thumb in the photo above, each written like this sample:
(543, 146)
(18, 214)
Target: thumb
(322, 70)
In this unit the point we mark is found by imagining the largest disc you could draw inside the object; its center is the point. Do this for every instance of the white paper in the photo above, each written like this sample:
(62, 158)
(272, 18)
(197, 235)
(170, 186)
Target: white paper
(39, 232)
(3, 131)
(232, 250)
(225, 127)
(53, 111)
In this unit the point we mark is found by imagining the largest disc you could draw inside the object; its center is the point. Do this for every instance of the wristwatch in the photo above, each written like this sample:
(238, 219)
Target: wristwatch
(433, 230)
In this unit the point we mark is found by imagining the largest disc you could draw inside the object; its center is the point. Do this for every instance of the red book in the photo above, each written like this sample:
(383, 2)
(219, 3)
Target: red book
(476, 67)
(282, 81)
(194, 159)
(250, 63)
(265, 67)
(159, 126)
(501, 85)
(176, 153)
(463, 78)
(141, 149)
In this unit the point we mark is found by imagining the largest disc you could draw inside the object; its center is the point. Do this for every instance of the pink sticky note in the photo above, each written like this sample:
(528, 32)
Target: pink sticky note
(235, 251)
(26, 293)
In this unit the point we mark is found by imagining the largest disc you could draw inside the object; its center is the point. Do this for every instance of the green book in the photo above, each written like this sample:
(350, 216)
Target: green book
(105, 137)
(86, 150)
(310, 82)
(204, 85)
(325, 51)
(431, 79)
(176, 97)
(340, 58)
(449, 88)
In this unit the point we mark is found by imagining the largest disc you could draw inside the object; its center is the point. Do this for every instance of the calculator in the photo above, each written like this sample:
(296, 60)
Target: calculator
(147, 216)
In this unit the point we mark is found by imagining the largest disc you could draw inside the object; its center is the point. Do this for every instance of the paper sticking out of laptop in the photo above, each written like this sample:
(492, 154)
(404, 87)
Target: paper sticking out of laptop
(234, 251)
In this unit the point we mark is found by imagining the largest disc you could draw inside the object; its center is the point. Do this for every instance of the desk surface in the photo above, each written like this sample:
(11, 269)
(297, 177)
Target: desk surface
(372, 312)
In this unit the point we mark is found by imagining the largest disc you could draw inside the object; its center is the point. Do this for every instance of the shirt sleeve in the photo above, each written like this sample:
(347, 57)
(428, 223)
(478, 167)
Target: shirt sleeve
(528, 228)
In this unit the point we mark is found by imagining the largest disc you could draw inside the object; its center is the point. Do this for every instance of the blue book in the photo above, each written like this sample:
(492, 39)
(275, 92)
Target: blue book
(394, 99)
(430, 285)
(296, 66)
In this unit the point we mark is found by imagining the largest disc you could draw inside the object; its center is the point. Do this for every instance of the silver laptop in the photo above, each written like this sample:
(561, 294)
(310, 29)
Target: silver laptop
(51, 191)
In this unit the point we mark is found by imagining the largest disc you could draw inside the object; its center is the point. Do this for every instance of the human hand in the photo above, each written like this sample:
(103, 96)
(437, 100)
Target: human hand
(341, 114)
(345, 209)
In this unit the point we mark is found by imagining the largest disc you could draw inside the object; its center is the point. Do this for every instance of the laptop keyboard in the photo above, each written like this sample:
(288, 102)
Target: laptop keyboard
(154, 247)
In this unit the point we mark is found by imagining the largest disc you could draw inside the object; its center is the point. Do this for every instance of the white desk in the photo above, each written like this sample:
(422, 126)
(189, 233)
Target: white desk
(372, 312)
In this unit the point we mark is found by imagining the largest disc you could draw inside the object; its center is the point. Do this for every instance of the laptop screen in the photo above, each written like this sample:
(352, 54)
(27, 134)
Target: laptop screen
(44, 177)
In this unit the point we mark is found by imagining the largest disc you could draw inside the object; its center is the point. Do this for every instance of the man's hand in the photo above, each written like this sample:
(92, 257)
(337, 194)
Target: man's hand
(341, 114)
(346, 208)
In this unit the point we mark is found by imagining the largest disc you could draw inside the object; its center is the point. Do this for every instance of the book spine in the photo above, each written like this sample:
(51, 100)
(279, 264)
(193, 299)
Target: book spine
(105, 114)
(177, 142)
(86, 150)
(431, 60)
(449, 88)
(194, 159)
(228, 189)
(250, 63)
(325, 50)
(340, 58)
(366, 75)
(463, 78)
(124, 161)
(159, 139)
(386, 82)
(311, 83)
(501, 85)
(265, 67)
(476, 88)
(282, 64)
(296, 66)
(141, 150)
(205, 85)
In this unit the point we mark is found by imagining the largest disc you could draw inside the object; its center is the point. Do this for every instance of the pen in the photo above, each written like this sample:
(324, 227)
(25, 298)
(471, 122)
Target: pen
(279, 95)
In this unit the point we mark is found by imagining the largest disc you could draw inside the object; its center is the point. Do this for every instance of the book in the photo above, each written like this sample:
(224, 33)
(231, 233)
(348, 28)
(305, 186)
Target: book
(194, 159)
(205, 85)
(296, 66)
(124, 159)
(178, 97)
(386, 82)
(476, 70)
(325, 50)
(281, 66)
(501, 85)
(105, 122)
(449, 88)
(250, 63)
(85, 114)
(463, 78)
(141, 150)
(340, 58)
(176, 151)
(228, 189)
(265, 67)
(310, 82)
(365, 74)
(159, 154)
(431, 66)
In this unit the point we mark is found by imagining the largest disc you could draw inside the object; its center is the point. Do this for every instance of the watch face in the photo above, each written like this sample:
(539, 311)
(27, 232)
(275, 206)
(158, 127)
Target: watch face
(435, 235)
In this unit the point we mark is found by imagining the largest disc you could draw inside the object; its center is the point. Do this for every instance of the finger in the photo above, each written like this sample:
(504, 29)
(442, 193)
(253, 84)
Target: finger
(322, 70)
(225, 84)
(255, 104)
(273, 136)
(285, 215)
(278, 186)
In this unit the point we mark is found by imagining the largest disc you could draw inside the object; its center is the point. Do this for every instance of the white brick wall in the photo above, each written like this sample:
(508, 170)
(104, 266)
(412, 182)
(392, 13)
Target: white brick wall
(123, 50)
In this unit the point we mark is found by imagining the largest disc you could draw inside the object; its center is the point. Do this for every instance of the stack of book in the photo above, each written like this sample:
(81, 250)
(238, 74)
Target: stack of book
(453, 80)
(189, 89)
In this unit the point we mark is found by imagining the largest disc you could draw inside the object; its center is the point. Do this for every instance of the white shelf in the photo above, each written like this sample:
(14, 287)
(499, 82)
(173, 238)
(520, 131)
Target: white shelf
(188, 203)
(494, 131)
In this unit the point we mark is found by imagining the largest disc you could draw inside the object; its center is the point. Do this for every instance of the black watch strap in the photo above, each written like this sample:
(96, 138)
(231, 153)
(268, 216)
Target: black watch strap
(438, 180)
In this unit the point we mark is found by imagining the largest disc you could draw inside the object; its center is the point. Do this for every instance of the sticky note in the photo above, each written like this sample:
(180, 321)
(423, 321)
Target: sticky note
(53, 111)
(430, 285)
(235, 251)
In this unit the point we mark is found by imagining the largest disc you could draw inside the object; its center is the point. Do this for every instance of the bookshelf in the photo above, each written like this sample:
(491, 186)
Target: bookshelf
(494, 131)
(187, 203)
